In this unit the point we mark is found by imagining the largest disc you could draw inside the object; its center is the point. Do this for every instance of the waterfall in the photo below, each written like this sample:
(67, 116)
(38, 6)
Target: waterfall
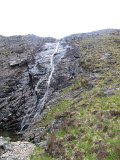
(38, 107)
(43, 100)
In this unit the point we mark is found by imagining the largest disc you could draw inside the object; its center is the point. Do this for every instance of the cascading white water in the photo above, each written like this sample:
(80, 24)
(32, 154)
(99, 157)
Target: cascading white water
(36, 110)
(43, 100)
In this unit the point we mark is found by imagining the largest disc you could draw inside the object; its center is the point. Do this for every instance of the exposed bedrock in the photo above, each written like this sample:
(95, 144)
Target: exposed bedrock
(25, 66)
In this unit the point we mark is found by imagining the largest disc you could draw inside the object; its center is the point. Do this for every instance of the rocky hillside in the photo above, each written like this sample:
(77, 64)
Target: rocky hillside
(16, 53)
(80, 117)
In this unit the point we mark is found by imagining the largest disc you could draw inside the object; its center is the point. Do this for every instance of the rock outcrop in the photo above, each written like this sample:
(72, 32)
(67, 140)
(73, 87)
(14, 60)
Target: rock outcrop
(16, 53)
(25, 64)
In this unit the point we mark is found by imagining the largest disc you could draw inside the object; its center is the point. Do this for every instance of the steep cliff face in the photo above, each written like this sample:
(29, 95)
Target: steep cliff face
(16, 53)
(25, 69)
(63, 96)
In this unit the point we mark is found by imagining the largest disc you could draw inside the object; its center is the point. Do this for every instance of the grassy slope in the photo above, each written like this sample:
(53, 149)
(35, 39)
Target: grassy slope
(90, 128)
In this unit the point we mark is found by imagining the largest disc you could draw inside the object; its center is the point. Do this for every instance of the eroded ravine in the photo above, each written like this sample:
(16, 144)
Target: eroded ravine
(34, 113)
